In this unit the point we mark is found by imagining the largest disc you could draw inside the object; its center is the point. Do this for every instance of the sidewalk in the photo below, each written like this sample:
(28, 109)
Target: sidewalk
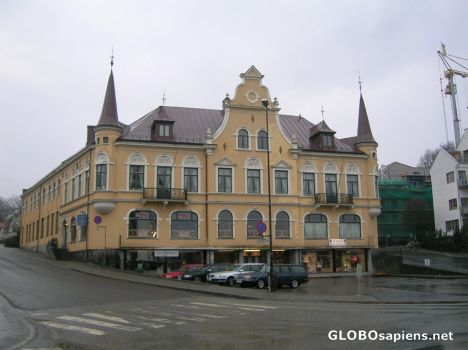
(386, 290)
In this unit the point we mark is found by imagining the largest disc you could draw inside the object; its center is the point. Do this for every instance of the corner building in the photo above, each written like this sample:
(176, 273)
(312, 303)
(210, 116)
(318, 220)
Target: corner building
(188, 185)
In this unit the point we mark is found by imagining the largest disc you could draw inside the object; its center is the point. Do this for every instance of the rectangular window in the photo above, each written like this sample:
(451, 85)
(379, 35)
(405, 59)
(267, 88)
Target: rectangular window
(105, 140)
(164, 182)
(65, 192)
(353, 185)
(52, 222)
(451, 225)
(86, 182)
(308, 184)
(191, 179)
(331, 189)
(281, 182)
(453, 204)
(101, 176)
(73, 188)
(450, 177)
(163, 130)
(136, 177)
(225, 180)
(462, 177)
(253, 181)
(80, 185)
(464, 202)
(327, 140)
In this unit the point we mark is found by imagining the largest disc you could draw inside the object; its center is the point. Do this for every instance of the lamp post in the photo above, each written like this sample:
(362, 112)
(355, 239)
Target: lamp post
(270, 275)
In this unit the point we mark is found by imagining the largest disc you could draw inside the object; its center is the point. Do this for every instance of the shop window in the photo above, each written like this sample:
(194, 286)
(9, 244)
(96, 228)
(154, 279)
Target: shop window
(282, 225)
(315, 227)
(225, 225)
(142, 224)
(350, 226)
(184, 225)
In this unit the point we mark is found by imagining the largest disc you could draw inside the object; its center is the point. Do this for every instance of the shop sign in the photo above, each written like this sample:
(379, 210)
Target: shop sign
(166, 253)
(337, 242)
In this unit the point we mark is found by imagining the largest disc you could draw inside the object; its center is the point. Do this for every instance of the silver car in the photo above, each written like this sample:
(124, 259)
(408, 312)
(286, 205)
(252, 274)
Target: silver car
(229, 277)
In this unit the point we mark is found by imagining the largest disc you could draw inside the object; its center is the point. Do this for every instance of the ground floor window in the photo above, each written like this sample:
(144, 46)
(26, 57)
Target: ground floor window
(318, 261)
(348, 260)
(344, 260)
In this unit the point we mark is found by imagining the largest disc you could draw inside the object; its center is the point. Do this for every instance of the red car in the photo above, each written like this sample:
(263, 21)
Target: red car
(178, 274)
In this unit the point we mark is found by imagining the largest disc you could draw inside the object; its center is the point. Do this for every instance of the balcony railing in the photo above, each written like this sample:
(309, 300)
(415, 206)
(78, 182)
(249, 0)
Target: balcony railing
(335, 199)
(165, 194)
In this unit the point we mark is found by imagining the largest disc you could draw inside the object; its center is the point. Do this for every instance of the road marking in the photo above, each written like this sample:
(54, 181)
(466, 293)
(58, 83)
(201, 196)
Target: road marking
(157, 319)
(73, 328)
(254, 306)
(107, 317)
(152, 325)
(41, 314)
(250, 309)
(186, 306)
(99, 323)
(209, 305)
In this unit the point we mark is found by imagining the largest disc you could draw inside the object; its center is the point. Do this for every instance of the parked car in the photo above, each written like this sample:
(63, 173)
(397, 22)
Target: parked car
(228, 277)
(199, 274)
(286, 274)
(178, 274)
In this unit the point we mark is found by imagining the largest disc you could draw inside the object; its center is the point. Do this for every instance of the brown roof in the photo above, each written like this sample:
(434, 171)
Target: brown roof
(191, 124)
(109, 115)
(364, 134)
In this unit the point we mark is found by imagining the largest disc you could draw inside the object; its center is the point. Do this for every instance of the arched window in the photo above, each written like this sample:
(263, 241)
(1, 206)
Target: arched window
(243, 139)
(262, 140)
(253, 218)
(350, 226)
(142, 224)
(184, 225)
(282, 225)
(315, 226)
(225, 225)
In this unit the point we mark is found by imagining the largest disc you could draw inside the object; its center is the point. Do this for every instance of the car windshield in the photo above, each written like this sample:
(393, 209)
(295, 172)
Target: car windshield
(193, 269)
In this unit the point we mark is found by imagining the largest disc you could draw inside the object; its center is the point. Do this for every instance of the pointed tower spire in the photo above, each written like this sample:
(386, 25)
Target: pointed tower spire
(364, 133)
(109, 115)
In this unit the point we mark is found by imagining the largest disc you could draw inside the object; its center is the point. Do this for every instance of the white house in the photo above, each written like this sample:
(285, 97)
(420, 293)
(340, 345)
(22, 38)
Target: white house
(450, 187)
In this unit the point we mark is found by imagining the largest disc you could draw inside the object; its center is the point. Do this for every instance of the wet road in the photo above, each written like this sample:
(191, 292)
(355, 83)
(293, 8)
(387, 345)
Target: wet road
(71, 310)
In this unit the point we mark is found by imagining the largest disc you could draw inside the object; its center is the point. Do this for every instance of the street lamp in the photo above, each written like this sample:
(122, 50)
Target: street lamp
(270, 275)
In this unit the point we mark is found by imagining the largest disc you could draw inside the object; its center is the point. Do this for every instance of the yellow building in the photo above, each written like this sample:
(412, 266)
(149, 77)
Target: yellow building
(188, 185)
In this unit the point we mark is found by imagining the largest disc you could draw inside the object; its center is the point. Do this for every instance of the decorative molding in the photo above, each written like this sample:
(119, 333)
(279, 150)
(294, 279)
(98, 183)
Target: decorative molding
(101, 158)
(252, 96)
(137, 158)
(224, 162)
(308, 167)
(282, 165)
(253, 163)
(164, 160)
(330, 168)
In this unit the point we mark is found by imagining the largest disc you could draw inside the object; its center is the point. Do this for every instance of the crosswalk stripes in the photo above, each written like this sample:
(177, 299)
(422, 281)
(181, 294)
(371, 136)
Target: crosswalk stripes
(152, 317)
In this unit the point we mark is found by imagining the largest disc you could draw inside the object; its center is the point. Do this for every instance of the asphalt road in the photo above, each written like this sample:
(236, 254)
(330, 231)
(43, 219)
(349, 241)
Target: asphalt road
(57, 308)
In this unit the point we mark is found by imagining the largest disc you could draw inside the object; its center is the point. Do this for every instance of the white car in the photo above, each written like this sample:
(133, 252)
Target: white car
(229, 277)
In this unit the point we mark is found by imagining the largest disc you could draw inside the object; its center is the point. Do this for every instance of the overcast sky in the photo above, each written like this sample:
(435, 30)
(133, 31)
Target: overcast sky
(54, 66)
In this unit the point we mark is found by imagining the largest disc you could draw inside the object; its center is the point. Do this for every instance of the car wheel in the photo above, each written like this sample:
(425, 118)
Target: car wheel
(197, 279)
(261, 284)
(294, 284)
(230, 282)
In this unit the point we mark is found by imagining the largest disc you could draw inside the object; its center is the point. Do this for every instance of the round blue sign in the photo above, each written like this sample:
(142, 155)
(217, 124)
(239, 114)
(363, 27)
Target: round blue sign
(97, 219)
(261, 227)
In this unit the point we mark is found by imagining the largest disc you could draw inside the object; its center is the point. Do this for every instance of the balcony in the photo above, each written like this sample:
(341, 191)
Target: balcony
(334, 199)
(464, 211)
(165, 195)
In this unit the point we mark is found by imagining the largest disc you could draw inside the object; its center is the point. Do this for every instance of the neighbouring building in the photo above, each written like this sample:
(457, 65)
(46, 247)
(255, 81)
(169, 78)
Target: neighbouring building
(450, 187)
(188, 185)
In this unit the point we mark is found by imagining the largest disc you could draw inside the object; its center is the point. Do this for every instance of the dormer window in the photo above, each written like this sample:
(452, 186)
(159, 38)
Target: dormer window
(327, 140)
(164, 130)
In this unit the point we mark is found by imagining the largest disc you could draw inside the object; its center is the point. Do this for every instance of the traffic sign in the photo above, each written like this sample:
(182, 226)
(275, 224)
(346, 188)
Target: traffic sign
(261, 227)
(97, 219)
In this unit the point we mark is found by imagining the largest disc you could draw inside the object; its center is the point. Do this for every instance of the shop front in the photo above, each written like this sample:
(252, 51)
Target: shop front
(334, 260)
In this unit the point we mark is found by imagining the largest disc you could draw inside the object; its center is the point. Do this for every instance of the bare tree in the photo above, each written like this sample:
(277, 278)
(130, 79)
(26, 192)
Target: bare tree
(8, 206)
(429, 156)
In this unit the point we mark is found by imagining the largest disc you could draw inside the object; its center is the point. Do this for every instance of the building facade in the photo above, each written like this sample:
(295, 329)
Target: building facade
(406, 199)
(187, 185)
(450, 187)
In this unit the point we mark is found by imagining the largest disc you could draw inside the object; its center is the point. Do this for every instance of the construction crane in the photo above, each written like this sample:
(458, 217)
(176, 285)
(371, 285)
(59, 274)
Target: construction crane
(451, 88)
